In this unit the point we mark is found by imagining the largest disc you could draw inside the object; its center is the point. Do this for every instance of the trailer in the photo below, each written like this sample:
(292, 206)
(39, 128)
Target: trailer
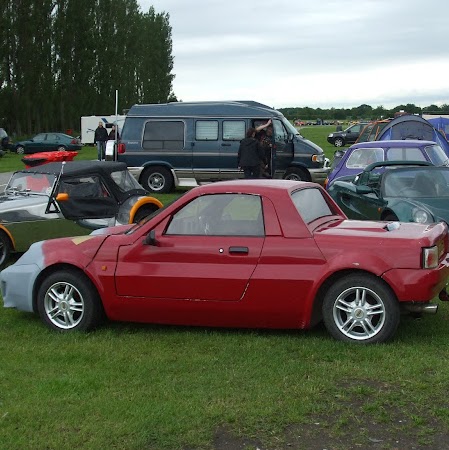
(90, 123)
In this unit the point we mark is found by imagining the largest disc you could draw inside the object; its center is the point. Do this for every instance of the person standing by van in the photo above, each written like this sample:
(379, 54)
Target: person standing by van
(250, 155)
(100, 138)
(113, 133)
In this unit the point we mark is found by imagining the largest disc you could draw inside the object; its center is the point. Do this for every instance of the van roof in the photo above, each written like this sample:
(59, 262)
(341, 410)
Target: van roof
(244, 108)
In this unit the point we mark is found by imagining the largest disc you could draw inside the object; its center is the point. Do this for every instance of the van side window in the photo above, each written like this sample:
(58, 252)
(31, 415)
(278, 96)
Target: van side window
(233, 130)
(163, 135)
(280, 134)
(206, 130)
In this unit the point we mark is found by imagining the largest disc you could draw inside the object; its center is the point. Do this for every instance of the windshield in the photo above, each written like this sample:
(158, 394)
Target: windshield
(289, 126)
(36, 183)
(125, 181)
(436, 155)
(417, 182)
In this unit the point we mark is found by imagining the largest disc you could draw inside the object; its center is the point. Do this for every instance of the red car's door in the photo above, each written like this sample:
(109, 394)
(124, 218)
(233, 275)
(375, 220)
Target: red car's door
(188, 268)
(208, 252)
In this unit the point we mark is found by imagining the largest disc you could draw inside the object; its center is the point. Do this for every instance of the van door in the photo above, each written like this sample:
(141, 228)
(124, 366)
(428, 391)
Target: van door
(206, 150)
(282, 154)
(233, 131)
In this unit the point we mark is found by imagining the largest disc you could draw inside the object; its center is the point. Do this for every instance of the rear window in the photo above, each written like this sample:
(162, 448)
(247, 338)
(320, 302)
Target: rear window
(311, 204)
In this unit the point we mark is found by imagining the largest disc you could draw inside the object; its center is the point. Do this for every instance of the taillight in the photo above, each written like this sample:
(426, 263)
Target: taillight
(121, 148)
(74, 141)
(430, 257)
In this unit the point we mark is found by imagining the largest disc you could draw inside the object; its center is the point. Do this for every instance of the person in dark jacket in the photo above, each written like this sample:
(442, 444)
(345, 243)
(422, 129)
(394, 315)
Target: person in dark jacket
(113, 133)
(100, 138)
(250, 155)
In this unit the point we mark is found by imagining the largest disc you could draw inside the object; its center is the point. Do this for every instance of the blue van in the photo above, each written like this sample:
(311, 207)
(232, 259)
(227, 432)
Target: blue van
(186, 144)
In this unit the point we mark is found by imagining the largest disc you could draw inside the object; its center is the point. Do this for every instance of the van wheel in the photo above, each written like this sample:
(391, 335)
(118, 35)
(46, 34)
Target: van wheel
(296, 174)
(157, 179)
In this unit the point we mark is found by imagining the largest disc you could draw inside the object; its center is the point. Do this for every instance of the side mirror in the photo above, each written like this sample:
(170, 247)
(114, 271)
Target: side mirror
(363, 190)
(151, 239)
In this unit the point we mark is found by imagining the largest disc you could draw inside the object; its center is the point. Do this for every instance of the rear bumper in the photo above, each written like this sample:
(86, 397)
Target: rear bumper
(419, 285)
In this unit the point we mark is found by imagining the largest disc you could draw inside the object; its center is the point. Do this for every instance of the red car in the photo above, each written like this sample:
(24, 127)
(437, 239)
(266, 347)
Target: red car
(268, 253)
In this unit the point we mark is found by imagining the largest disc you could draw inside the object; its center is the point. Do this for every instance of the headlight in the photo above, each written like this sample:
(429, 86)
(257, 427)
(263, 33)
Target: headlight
(318, 158)
(331, 135)
(421, 216)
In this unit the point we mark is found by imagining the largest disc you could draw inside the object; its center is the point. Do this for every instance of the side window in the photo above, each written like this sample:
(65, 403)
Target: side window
(355, 129)
(163, 135)
(39, 138)
(206, 130)
(233, 130)
(220, 215)
(86, 187)
(405, 154)
(279, 132)
(360, 158)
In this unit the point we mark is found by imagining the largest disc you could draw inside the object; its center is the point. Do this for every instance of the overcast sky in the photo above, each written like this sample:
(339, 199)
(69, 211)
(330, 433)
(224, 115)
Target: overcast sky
(317, 53)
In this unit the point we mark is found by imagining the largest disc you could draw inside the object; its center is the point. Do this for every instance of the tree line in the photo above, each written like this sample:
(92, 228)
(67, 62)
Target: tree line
(63, 59)
(358, 113)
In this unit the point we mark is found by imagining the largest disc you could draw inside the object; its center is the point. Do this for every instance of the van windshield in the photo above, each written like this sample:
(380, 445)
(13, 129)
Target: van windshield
(289, 126)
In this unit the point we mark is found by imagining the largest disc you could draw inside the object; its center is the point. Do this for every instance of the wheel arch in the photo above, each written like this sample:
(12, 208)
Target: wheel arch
(56, 268)
(316, 315)
(142, 203)
(10, 237)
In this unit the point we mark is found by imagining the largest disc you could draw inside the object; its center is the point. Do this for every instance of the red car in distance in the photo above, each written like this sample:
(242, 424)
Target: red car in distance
(255, 253)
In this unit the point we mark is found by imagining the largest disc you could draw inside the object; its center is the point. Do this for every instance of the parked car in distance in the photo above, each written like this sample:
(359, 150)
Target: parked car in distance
(46, 142)
(396, 191)
(347, 136)
(252, 253)
(347, 164)
(4, 140)
(66, 199)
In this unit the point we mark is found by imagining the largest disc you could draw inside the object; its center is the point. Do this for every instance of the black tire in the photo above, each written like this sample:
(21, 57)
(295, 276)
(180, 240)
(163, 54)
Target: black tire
(157, 179)
(143, 212)
(296, 174)
(61, 148)
(339, 142)
(5, 249)
(361, 308)
(67, 301)
(20, 150)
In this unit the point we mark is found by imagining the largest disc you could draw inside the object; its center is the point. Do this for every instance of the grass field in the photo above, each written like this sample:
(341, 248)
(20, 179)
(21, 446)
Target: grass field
(129, 386)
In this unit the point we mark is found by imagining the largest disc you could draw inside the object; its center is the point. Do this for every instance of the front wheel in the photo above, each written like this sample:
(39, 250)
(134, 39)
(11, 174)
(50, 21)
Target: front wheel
(157, 179)
(339, 142)
(5, 249)
(67, 301)
(296, 174)
(20, 150)
(61, 148)
(361, 308)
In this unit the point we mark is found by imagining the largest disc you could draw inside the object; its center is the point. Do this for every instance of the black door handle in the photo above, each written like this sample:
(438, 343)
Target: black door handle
(225, 145)
(243, 250)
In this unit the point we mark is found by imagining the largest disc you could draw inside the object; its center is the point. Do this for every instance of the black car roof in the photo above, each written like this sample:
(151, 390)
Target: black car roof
(73, 168)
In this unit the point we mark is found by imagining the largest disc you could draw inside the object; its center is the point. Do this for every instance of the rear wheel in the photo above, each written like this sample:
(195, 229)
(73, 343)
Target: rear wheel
(157, 179)
(339, 142)
(61, 148)
(296, 174)
(361, 308)
(68, 301)
(390, 217)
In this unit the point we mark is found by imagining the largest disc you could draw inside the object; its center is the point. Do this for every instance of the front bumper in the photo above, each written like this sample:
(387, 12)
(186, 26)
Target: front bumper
(319, 175)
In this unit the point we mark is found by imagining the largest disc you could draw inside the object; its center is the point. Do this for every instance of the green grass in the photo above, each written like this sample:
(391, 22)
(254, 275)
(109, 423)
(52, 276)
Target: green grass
(129, 386)
(154, 387)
